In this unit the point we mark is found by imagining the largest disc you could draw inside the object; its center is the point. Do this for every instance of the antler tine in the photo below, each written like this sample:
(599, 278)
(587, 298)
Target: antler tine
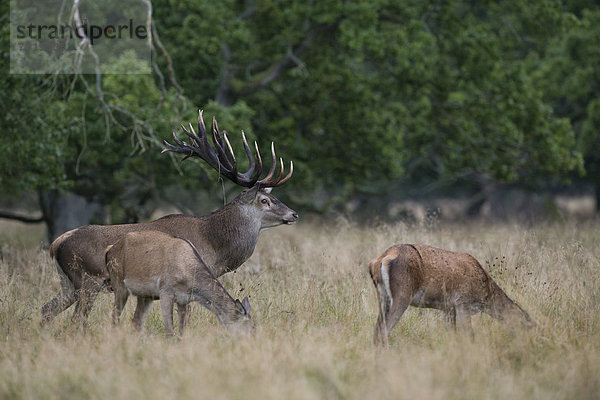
(203, 140)
(264, 181)
(234, 164)
(219, 145)
(288, 176)
(260, 164)
(220, 156)
(280, 178)
(280, 175)
(183, 147)
(201, 126)
(268, 180)
(251, 161)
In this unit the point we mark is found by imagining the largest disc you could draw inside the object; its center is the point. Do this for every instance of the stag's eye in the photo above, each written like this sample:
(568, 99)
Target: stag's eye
(264, 201)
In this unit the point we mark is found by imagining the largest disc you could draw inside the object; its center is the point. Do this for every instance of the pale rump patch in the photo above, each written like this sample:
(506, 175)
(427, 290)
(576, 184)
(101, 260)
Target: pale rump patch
(58, 241)
(385, 278)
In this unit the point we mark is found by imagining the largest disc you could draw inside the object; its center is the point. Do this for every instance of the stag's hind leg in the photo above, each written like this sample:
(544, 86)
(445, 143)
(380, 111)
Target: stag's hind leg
(63, 299)
(90, 287)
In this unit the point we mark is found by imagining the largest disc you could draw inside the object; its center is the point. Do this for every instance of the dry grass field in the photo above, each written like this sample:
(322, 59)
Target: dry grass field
(315, 310)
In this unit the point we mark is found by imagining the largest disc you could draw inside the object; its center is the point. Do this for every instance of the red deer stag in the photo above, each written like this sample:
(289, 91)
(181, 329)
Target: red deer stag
(225, 238)
(154, 265)
(428, 277)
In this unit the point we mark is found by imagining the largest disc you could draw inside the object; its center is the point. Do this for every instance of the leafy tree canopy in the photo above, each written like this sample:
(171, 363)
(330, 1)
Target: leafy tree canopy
(358, 93)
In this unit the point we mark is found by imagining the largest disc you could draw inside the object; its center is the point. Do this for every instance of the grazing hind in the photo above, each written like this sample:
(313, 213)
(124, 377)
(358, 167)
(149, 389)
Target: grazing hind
(428, 277)
(154, 265)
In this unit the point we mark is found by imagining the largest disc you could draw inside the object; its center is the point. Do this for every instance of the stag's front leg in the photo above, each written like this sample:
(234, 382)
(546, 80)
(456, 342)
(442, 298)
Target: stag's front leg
(450, 319)
(166, 304)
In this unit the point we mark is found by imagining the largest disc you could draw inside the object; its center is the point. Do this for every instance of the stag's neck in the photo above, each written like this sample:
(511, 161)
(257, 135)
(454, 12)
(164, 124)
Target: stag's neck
(233, 234)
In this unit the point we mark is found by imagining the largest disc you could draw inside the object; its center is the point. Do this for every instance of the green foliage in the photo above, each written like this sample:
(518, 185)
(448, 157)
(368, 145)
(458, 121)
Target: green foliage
(33, 149)
(358, 93)
(571, 81)
(118, 141)
(375, 91)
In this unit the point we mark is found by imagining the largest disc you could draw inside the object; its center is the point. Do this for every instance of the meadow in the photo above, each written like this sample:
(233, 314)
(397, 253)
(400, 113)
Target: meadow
(315, 309)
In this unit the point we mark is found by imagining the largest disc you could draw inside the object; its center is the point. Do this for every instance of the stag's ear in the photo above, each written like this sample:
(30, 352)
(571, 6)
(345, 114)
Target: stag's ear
(266, 190)
(248, 195)
(246, 305)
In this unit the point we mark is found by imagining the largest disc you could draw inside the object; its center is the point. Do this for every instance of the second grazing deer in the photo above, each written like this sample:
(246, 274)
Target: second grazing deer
(154, 265)
(225, 239)
(425, 276)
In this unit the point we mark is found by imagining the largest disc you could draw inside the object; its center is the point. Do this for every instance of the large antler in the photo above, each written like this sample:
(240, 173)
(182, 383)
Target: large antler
(223, 161)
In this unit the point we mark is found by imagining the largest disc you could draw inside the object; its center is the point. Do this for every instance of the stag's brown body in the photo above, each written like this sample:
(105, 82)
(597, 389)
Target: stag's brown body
(425, 276)
(225, 238)
(154, 265)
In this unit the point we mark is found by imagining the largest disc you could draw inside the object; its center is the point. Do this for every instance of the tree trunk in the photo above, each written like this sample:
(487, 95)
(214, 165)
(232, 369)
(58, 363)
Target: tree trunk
(63, 212)
(597, 193)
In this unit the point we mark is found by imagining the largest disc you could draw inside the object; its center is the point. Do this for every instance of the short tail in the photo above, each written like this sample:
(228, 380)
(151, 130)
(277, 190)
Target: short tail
(380, 273)
(106, 253)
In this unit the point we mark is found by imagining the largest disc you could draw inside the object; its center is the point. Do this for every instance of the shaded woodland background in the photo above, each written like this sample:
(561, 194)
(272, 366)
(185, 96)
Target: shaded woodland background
(387, 108)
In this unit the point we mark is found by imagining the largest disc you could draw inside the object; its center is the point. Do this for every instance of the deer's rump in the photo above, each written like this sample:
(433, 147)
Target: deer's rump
(81, 250)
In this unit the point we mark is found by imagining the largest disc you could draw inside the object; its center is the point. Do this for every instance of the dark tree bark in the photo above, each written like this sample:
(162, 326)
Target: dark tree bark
(63, 212)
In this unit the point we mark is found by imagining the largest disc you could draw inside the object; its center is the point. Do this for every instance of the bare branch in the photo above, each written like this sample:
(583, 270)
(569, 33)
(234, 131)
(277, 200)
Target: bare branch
(156, 39)
(250, 9)
(85, 42)
(292, 57)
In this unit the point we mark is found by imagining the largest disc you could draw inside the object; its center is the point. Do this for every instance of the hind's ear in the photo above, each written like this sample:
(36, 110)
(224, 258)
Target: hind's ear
(246, 305)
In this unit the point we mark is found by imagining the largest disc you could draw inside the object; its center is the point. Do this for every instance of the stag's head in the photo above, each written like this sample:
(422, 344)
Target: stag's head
(260, 204)
(257, 200)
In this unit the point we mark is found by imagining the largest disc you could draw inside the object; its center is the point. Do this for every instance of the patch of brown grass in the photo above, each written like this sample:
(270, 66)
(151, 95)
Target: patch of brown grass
(315, 309)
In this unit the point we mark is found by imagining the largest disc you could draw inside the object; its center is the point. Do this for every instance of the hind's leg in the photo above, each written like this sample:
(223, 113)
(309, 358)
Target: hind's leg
(463, 319)
(63, 300)
(166, 304)
(121, 295)
(389, 315)
(398, 308)
(141, 311)
(184, 316)
(115, 281)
